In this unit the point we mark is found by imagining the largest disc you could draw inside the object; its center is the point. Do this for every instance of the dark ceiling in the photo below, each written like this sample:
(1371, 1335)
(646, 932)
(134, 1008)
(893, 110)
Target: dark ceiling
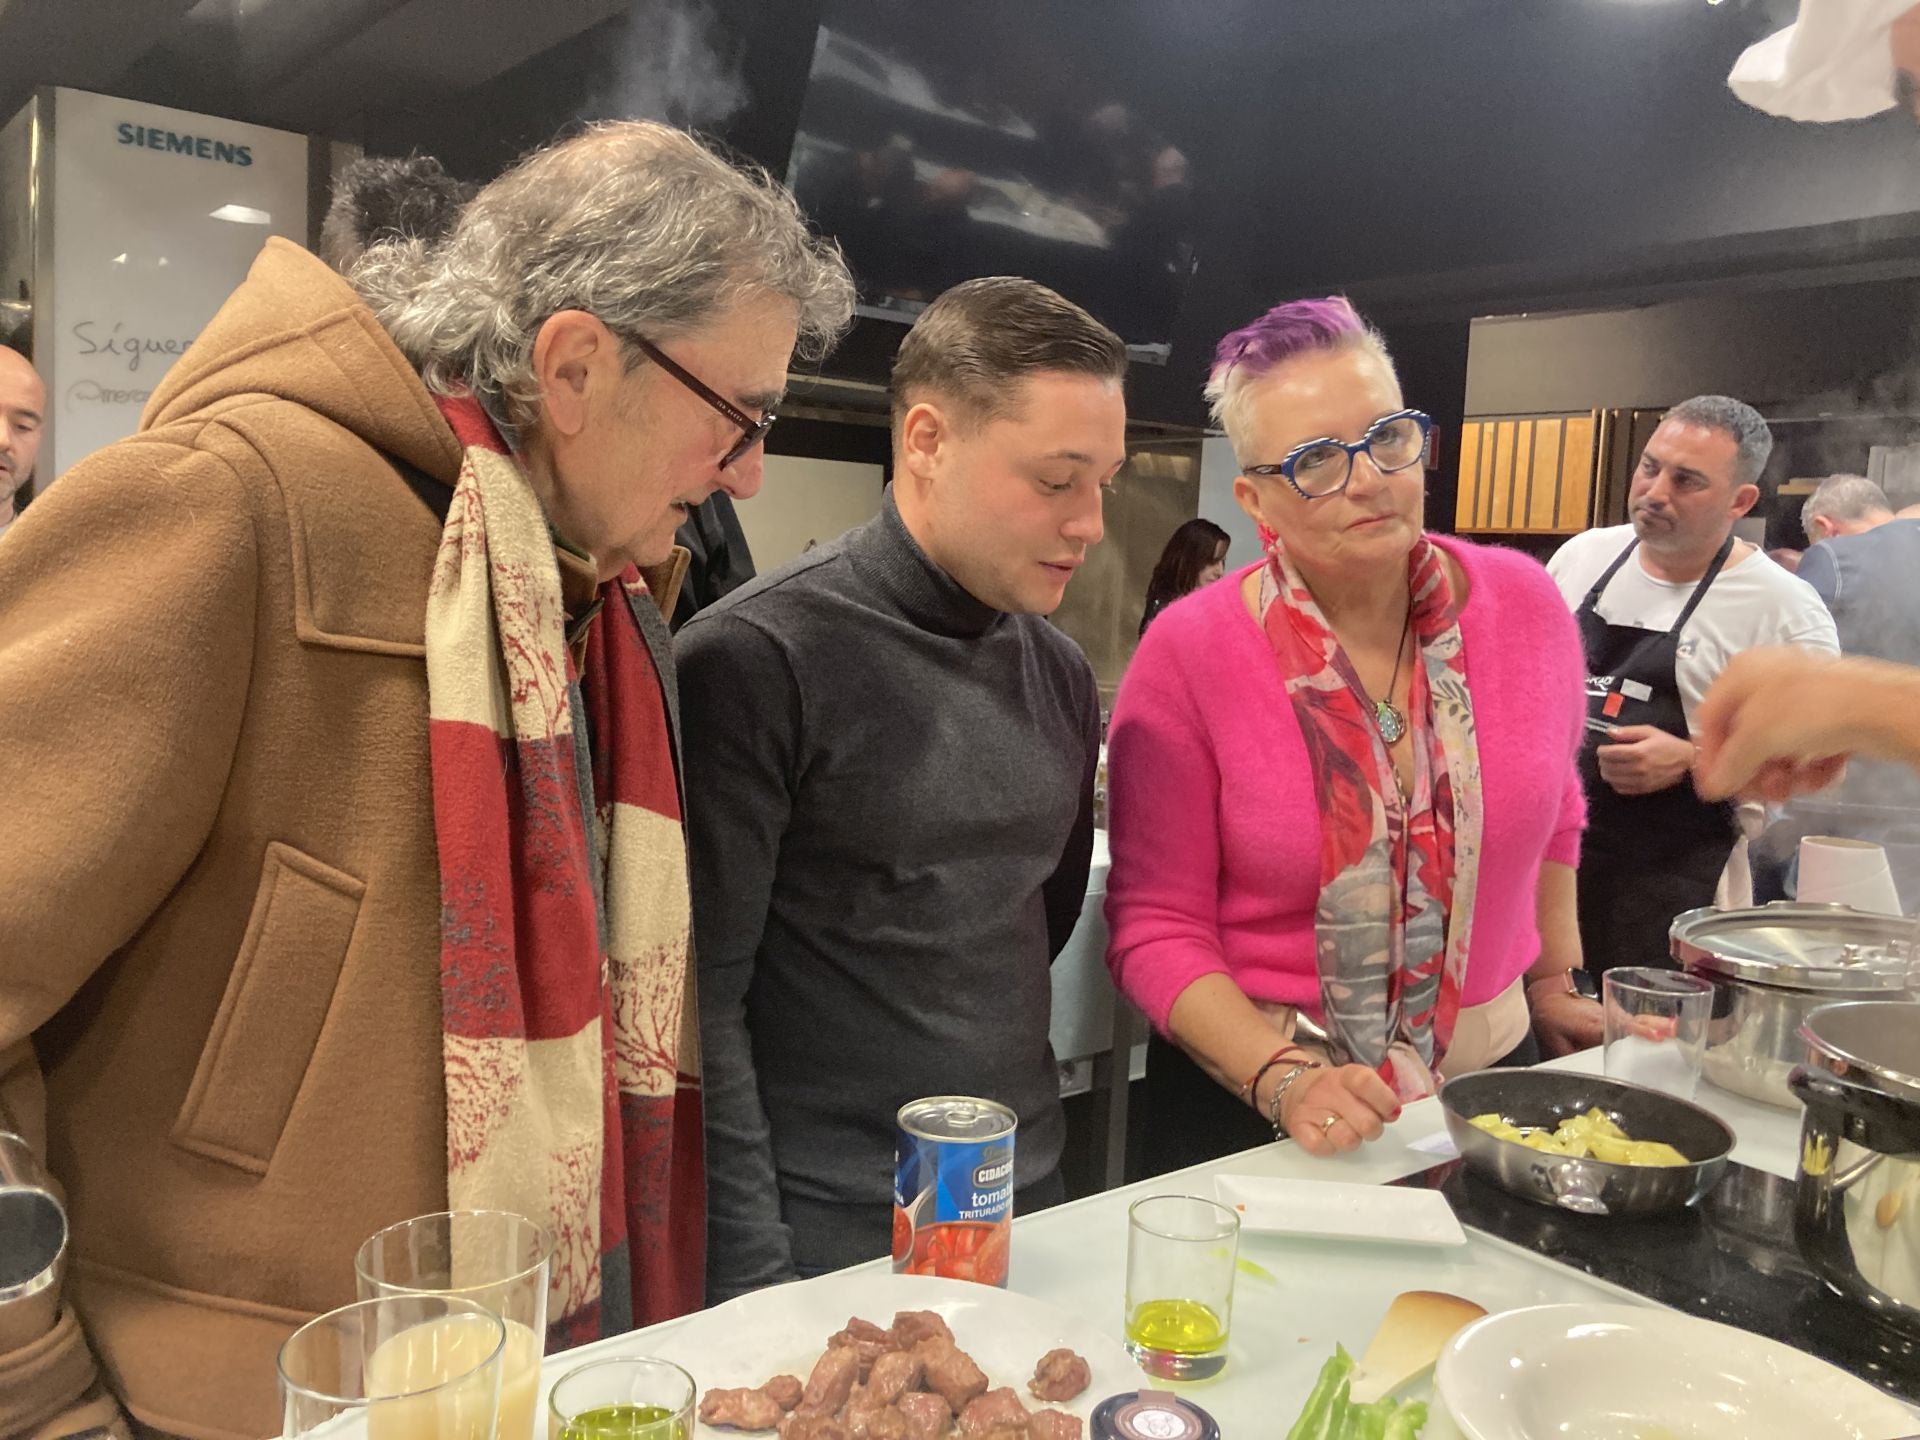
(319, 66)
(1435, 158)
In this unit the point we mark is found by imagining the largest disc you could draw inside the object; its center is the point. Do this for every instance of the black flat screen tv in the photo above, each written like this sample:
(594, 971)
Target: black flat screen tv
(941, 142)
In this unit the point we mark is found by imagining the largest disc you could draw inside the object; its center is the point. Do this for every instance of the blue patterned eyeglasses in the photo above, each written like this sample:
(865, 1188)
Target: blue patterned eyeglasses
(1320, 468)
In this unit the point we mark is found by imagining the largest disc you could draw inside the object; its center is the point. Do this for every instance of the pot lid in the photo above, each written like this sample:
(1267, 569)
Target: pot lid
(1868, 1040)
(1825, 948)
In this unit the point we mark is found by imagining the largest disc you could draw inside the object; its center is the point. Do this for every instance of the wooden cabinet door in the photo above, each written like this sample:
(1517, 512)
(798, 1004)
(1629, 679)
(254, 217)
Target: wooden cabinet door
(1527, 475)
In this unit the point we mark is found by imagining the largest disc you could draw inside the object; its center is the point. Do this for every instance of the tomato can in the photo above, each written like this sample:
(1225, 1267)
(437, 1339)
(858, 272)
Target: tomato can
(953, 1189)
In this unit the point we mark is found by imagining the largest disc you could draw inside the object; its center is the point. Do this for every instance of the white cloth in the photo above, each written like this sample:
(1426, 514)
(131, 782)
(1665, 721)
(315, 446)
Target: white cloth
(1834, 63)
(1751, 602)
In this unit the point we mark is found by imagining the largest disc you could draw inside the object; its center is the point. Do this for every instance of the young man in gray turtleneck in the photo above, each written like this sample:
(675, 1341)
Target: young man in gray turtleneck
(890, 759)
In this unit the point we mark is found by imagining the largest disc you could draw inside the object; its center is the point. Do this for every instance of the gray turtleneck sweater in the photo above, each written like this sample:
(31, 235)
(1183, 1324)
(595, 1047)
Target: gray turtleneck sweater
(890, 817)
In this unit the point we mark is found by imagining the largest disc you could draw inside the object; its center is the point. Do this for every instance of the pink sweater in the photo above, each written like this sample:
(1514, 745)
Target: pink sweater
(1214, 828)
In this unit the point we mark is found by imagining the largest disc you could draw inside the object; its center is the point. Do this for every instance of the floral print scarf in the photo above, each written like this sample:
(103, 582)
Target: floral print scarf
(1395, 915)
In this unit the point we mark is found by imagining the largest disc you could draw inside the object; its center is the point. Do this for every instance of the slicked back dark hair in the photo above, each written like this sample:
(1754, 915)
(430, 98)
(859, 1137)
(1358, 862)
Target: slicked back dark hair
(976, 344)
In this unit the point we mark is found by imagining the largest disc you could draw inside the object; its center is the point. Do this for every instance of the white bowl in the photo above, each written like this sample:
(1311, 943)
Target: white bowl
(1630, 1372)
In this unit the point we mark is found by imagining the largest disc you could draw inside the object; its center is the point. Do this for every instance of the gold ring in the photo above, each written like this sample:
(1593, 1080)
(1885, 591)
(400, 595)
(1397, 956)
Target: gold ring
(1327, 1124)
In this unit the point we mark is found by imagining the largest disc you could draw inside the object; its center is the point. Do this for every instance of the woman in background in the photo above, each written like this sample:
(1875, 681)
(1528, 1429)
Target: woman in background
(1195, 556)
(1345, 809)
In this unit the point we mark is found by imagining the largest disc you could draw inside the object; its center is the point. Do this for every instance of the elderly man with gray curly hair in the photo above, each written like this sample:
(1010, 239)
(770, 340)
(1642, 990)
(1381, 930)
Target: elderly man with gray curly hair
(346, 878)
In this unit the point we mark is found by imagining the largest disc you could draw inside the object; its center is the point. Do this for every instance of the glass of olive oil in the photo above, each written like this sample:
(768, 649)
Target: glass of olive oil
(1181, 1252)
(627, 1398)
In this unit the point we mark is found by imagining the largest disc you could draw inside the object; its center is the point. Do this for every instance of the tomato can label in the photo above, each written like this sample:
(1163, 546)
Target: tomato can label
(953, 1189)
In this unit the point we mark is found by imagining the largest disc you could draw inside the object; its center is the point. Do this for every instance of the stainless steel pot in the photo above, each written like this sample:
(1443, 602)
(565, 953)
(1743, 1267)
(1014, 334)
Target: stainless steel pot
(1857, 1210)
(1772, 966)
(1586, 1187)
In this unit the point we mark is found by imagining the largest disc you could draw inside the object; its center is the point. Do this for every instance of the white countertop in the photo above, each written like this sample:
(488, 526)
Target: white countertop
(1322, 1291)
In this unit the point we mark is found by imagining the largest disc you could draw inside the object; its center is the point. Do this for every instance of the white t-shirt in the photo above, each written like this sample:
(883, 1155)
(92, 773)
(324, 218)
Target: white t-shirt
(1751, 602)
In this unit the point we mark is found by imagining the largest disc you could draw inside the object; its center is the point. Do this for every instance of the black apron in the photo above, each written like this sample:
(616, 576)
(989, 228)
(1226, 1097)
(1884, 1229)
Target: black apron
(1645, 858)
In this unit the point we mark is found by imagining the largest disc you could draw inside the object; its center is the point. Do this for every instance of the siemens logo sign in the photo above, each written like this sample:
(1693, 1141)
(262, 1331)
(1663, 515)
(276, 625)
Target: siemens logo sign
(147, 137)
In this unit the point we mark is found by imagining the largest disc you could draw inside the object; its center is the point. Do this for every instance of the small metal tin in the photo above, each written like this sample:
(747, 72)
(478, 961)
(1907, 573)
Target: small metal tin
(1152, 1415)
(953, 1188)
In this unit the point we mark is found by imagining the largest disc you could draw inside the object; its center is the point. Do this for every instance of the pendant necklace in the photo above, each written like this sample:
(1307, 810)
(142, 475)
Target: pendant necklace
(1386, 714)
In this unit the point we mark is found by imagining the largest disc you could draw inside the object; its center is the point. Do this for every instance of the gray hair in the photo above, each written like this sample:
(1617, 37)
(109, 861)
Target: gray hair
(1844, 497)
(1752, 440)
(637, 223)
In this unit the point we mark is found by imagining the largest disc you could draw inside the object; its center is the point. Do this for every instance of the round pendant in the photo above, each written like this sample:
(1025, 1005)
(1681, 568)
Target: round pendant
(1392, 724)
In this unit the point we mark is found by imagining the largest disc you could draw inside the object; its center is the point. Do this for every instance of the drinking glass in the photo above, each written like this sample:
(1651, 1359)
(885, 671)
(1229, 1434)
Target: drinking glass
(629, 1398)
(1181, 1252)
(492, 1257)
(405, 1367)
(1656, 1027)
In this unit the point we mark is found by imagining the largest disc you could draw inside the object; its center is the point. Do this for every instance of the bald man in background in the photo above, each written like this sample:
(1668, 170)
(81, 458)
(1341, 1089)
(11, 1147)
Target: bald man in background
(23, 409)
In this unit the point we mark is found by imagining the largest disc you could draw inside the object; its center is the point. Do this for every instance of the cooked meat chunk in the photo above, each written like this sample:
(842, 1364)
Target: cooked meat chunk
(784, 1390)
(950, 1372)
(866, 1339)
(867, 1420)
(910, 1327)
(1059, 1376)
(1005, 1432)
(830, 1383)
(927, 1416)
(996, 1410)
(812, 1427)
(1054, 1425)
(740, 1409)
(894, 1374)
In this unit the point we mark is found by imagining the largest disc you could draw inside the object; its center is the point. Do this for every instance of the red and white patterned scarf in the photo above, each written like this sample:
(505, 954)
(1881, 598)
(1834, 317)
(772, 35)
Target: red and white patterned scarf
(1395, 914)
(566, 994)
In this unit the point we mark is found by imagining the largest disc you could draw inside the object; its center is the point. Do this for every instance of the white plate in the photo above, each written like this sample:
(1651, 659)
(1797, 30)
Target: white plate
(1624, 1372)
(782, 1331)
(1336, 1210)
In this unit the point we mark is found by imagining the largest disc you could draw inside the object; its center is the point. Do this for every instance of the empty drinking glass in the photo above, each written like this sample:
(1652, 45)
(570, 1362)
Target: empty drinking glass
(1656, 1027)
(405, 1367)
(1181, 1252)
(492, 1257)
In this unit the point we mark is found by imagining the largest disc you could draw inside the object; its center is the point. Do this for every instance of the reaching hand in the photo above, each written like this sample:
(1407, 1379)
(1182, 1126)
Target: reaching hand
(1780, 721)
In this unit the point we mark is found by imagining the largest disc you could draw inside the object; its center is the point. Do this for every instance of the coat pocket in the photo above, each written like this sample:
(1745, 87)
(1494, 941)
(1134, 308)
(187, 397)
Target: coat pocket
(269, 1020)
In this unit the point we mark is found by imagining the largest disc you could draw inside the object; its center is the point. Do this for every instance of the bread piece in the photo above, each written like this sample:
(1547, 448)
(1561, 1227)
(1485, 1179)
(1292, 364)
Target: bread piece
(1416, 1329)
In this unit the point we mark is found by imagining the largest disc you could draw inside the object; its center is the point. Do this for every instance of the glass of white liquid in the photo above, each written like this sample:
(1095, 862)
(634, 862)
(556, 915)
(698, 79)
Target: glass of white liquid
(406, 1367)
(1656, 1023)
(495, 1258)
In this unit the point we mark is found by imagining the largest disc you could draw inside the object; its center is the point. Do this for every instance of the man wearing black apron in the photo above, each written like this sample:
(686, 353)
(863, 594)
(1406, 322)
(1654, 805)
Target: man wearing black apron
(1649, 856)
(1662, 605)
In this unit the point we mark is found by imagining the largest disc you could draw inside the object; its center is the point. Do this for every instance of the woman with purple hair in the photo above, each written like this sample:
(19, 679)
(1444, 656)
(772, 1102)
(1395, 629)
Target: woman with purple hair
(1345, 809)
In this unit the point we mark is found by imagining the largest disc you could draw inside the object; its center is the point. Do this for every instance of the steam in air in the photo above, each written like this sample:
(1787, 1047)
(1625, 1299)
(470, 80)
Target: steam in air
(672, 65)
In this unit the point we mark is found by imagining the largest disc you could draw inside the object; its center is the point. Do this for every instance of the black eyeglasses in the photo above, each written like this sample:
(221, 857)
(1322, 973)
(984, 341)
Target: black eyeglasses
(1320, 468)
(752, 431)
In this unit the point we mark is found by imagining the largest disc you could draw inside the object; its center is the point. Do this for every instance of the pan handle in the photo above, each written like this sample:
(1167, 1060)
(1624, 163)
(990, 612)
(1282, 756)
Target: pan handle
(1868, 1117)
(1575, 1189)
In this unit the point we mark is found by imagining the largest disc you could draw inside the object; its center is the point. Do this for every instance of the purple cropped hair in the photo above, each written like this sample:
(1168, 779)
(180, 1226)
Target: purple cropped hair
(1296, 328)
(1286, 331)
